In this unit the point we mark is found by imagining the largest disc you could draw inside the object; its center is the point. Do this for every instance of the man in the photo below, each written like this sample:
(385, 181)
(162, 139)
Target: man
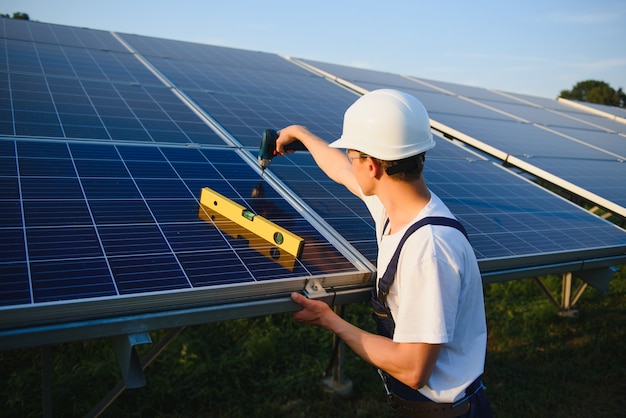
(429, 305)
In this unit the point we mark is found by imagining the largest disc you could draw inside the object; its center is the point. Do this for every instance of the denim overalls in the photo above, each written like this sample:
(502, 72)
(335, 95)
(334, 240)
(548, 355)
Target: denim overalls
(403, 399)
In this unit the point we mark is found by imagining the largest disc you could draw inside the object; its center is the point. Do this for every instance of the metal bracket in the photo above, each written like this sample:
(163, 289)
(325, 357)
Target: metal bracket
(598, 278)
(128, 359)
(314, 290)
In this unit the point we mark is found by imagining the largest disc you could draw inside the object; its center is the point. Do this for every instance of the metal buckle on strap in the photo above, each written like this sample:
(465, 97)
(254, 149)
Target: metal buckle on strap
(384, 379)
(475, 387)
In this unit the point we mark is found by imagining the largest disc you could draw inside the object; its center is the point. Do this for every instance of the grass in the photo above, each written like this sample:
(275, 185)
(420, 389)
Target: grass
(538, 364)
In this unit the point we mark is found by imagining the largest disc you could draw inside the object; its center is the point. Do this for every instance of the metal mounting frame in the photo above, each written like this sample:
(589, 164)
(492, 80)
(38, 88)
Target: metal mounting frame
(145, 361)
(598, 278)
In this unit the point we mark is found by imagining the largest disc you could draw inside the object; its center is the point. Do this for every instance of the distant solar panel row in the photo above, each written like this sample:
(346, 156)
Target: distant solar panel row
(540, 133)
(611, 113)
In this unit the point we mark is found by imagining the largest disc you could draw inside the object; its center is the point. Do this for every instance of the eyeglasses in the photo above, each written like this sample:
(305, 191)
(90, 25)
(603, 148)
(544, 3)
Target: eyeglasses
(352, 157)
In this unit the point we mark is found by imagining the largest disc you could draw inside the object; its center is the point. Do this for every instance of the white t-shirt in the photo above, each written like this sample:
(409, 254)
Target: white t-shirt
(436, 297)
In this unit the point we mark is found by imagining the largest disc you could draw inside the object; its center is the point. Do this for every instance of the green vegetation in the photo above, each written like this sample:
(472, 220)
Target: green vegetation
(594, 91)
(538, 364)
(16, 15)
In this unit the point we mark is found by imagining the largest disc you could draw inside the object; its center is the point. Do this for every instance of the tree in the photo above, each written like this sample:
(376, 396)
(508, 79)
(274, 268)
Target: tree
(621, 98)
(17, 15)
(594, 91)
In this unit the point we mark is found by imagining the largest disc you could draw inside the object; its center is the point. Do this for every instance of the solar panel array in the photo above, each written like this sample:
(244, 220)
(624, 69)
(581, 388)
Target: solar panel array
(107, 139)
(577, 150)
(101, 176)
(305, 99)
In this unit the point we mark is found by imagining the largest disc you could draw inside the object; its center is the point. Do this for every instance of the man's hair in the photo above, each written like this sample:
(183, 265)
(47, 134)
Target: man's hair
(406, 169)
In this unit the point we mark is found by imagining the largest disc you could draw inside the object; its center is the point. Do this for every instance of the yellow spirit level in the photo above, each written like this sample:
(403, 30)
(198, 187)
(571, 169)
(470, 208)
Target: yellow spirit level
(277, 236)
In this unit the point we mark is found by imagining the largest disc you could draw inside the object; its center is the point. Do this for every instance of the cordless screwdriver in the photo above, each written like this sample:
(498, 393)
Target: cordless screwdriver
(267, 148)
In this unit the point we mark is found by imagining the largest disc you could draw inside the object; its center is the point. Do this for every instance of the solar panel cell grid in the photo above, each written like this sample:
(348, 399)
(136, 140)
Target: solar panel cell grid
(95, 110)
(126, 212)
(84, 104)
(611, 143)
(501, 208)
(67, 279)
(181, 53)
(324, 119)
(64, 35)
(600, 176)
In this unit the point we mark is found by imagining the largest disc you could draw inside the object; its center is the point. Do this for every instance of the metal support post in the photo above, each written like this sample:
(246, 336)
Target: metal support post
(46, 382)
(567, 300)
(337, 382)
(128, 359)
(566, 291)
(145, 362)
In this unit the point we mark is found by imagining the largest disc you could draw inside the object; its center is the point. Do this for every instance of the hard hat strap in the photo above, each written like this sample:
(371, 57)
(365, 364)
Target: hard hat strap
(415, 163)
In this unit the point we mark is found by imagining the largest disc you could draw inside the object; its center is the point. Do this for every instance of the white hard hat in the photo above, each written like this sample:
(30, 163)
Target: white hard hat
(386, 124)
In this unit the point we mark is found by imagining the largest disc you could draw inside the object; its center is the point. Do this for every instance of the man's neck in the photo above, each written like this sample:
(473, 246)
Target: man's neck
(403, 201)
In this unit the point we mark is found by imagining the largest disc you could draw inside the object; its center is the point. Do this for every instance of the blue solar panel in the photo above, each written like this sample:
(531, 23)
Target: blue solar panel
(246, 91)
(584, 150)
(82, 221)
(606, 112)
(61, 108)
(46, 33)
(522, 139)
(522, 127)
(593, 114)
(506, 216)
(583, 126)
(78, 93)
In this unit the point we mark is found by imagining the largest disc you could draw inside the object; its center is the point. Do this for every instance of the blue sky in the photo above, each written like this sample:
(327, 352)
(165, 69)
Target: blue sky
(530, 47)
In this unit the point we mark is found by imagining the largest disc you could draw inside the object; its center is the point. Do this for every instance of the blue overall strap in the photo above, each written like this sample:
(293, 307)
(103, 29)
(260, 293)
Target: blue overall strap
(385, 282)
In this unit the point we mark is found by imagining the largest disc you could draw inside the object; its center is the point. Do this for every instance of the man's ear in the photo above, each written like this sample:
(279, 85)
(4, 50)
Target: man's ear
(374, 167)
